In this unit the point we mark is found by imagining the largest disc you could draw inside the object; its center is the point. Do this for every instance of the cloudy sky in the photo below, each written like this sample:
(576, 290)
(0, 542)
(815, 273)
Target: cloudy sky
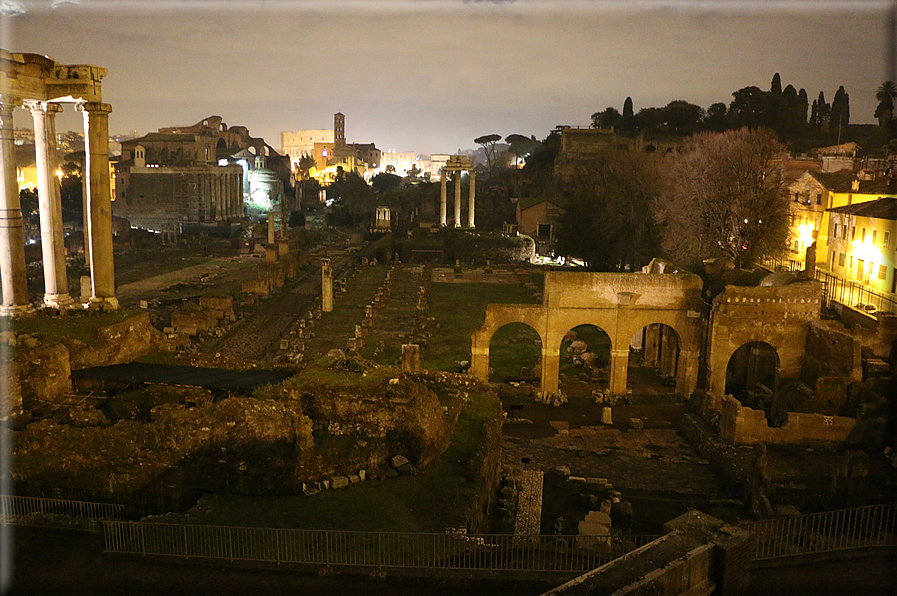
(431, 75)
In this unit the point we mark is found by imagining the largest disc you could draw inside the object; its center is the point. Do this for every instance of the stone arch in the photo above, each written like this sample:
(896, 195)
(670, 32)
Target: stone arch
(650, 148)
(222, 144)
(524, 361)
(658, 346)
(497, 316)
(751, 364)
(585, 353)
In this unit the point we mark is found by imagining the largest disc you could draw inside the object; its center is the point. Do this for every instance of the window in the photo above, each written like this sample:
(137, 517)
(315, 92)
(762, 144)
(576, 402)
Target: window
(863, 236)
(845, 232)
(544, 230)
(882, 272)
(886, 241)
(841, 259)
(874, 236)
(796, 197)
(861, 269)
(851, 261)
(819, 198)
(853, 233)
(835, 235)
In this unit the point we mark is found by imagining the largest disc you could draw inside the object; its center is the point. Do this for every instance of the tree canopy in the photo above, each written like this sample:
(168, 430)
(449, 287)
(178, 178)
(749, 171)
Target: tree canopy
(726, 198)
(609, 222)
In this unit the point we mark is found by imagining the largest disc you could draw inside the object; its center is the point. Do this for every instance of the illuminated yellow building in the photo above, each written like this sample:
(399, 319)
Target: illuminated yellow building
(860, 243)
(814, 193)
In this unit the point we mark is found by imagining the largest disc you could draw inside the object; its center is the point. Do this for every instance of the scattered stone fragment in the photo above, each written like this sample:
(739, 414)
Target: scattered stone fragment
(339, 482)
(398, 461)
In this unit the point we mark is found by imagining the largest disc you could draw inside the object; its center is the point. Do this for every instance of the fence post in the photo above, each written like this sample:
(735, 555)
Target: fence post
(186, 549)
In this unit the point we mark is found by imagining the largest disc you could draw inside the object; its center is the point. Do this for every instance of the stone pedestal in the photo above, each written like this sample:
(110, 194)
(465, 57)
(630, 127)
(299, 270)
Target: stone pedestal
(271, 253)
(410, 357)
(326, 286)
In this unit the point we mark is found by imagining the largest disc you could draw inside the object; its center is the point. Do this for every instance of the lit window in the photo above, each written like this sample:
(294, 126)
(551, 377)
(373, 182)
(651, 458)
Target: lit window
(874, 236)
(841, 259)
(882, 272)
(886, 241)
(835, 234)
(863, 236)
(853, 233)
(819, 198)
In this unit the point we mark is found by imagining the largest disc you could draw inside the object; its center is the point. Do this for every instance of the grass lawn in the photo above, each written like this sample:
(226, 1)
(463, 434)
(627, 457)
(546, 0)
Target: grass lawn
(76, 324)
(458, 309)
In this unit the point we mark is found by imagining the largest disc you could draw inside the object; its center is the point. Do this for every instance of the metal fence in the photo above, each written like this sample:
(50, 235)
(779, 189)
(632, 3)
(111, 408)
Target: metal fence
(845, 291)
(854, 295)
(570, 554)
(38, 511)
(844, 529)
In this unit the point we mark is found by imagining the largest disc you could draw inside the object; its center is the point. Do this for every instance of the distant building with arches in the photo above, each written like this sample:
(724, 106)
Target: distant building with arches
(192, 175)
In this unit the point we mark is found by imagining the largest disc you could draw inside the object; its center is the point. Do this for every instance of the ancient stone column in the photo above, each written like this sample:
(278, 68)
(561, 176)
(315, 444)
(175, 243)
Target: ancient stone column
(410, 357)
(326, 286)
(551, 368)
(458, 199)
(12, 232)
(271, 238)
(99, 203)
(56, 285)
(442, 198)
(619, 362)
(471, 200)
(479, 356)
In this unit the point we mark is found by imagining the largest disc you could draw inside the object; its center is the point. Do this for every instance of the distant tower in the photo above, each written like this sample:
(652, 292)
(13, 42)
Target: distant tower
(339, 129)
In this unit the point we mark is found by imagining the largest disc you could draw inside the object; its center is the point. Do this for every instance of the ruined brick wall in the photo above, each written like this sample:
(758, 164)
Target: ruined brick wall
(778, 316)
(745, 426)
(118, 343)
(40, 374)
(831, 363)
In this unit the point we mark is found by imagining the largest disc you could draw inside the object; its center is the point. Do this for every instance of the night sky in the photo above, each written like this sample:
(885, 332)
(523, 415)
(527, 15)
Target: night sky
(431, 75)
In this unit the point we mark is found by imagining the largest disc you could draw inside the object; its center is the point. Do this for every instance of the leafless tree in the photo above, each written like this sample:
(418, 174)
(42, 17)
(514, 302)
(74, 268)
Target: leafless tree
(726, 198)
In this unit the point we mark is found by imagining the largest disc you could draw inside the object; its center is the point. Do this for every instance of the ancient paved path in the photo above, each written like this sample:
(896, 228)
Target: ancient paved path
(529, 504)
(257, 335)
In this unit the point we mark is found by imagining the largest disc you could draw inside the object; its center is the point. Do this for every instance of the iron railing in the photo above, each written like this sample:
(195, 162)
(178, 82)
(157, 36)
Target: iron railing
(854, 295)
(844, 529)
(38, 511)
(844, 291)
(329, 548)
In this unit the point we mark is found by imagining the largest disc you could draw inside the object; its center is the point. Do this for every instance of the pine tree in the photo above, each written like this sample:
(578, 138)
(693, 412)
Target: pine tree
(822, 112)
(776, 87)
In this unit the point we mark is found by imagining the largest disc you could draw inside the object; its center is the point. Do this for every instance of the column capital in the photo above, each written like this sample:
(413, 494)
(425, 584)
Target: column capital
(94, 107)
(9, 102)
(41, 107)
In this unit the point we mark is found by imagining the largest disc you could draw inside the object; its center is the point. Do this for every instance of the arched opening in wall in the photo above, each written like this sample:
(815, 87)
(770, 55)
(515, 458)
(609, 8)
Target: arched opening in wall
(515, 352)
(222, 144)
(751, 378)
(584, 361)
(653, 360)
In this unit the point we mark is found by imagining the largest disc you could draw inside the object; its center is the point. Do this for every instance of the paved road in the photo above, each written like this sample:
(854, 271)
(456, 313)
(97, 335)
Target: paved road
(258, 336)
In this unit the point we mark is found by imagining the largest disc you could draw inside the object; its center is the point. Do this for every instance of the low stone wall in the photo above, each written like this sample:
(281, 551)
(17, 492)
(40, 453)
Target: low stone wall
(744, 426)
(732, 464)
(119, 343)
(40, 374)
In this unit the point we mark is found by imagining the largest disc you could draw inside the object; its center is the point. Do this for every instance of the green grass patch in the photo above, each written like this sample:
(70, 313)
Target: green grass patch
(458, 310)
(513, 346)
(79, 325)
